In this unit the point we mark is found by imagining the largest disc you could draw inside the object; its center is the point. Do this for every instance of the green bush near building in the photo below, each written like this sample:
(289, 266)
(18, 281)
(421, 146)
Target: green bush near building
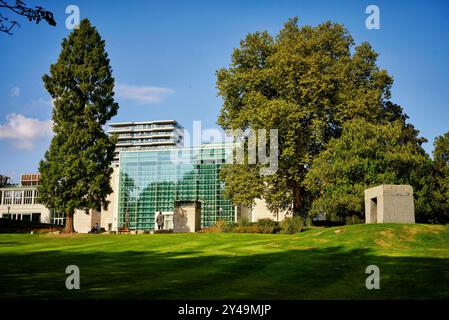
(266, 226)
(292, 225)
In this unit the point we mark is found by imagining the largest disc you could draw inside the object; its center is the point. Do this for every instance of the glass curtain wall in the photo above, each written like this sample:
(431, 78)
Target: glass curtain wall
(151, 182)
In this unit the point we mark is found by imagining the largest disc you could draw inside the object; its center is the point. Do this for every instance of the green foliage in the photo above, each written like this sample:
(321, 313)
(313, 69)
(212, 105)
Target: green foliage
(368, 155)
(267, 226)
(220, 226)
(292, 225)
(306, 82)
(441, 165)
(243, 222)
(75, 171)
(354, 219)
(251, 228)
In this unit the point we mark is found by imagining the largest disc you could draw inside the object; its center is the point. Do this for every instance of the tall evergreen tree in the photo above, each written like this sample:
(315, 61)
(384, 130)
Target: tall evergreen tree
(75, 172)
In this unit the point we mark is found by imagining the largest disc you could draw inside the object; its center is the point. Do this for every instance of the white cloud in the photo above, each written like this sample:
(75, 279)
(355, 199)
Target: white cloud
(23, 131)
(14, 92)
(143, 94)
(42, 102)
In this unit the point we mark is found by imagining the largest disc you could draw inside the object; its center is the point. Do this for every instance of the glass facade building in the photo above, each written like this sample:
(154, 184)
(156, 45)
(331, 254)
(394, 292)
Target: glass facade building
(152, 181)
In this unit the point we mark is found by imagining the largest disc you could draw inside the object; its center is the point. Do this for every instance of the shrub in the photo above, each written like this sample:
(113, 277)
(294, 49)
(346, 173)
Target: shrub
(292, 225)
(220, 226)
(267, 226)
(251, 228)
(243, 222)
(353, 219)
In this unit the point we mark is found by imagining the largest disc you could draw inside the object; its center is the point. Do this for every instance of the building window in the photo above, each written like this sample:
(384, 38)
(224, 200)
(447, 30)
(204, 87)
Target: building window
(18, 197)
(28, 197)
(7, 197)
(57, 218)
(36, 217)
(36, 197)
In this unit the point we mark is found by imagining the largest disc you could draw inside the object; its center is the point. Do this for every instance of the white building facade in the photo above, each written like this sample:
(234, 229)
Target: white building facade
(146, 135)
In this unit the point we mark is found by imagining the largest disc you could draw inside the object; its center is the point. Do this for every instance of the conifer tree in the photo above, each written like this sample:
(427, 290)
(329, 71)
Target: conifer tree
(76, 170)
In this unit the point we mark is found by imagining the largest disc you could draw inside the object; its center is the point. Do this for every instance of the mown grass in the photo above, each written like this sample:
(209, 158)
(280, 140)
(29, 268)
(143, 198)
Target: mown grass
(322, 263)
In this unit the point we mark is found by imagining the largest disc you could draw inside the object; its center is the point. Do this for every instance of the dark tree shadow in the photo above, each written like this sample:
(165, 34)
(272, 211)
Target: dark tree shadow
(330, 273)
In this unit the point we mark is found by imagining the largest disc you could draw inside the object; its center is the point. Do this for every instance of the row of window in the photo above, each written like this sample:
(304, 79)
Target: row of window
(145, 126)
(180, 155)
(55, 218)
(19, 197)
(147, 140)
(139, 134)
(30, 217)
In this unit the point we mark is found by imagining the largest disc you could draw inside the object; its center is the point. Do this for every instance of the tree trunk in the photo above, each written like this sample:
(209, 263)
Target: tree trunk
(297, 199)
(68, 228)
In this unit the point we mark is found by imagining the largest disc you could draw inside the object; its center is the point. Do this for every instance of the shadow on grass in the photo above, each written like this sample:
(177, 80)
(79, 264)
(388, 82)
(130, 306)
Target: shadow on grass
(329, 273)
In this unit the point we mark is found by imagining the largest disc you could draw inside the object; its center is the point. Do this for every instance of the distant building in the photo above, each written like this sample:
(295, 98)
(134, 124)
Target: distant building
(21, 202)
(146, 135)
(30, 179)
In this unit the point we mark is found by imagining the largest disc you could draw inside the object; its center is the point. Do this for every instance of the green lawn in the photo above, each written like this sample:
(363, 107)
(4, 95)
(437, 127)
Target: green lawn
(322, 263)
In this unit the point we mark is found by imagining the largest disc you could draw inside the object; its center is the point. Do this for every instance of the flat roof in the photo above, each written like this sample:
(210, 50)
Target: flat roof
(16, 187)
(127, 123)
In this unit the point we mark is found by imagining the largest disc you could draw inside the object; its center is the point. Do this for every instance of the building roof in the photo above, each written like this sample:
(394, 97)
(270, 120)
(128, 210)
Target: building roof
(135, 123)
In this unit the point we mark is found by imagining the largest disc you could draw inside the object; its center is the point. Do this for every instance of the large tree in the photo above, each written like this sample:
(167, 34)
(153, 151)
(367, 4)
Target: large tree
(367, 155)
(306, 82)
(75, 173)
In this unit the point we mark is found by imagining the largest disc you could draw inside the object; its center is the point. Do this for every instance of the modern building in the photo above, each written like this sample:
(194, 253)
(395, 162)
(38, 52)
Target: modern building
(152, 173)
(153, 181)
(146, 135)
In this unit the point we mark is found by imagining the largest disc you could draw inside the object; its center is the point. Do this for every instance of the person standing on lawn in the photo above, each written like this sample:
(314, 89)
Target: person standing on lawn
(160, 221)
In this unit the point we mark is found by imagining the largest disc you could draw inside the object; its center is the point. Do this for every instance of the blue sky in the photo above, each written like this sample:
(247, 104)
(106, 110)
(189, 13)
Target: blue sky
(164, 55)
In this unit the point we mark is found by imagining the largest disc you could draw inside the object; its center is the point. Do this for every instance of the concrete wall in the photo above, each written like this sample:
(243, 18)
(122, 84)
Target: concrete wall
(187, 217)
(109, 217)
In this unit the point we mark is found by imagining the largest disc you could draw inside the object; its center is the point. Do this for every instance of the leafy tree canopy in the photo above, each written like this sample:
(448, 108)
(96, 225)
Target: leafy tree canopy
(367, 155)
(306, 82)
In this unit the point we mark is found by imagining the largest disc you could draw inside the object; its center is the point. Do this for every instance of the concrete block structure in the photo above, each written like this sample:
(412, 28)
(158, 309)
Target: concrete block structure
(389, 204)
(187, 216)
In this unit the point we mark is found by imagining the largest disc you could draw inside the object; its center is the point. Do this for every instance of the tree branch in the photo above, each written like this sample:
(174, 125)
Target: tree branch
(36, 14)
